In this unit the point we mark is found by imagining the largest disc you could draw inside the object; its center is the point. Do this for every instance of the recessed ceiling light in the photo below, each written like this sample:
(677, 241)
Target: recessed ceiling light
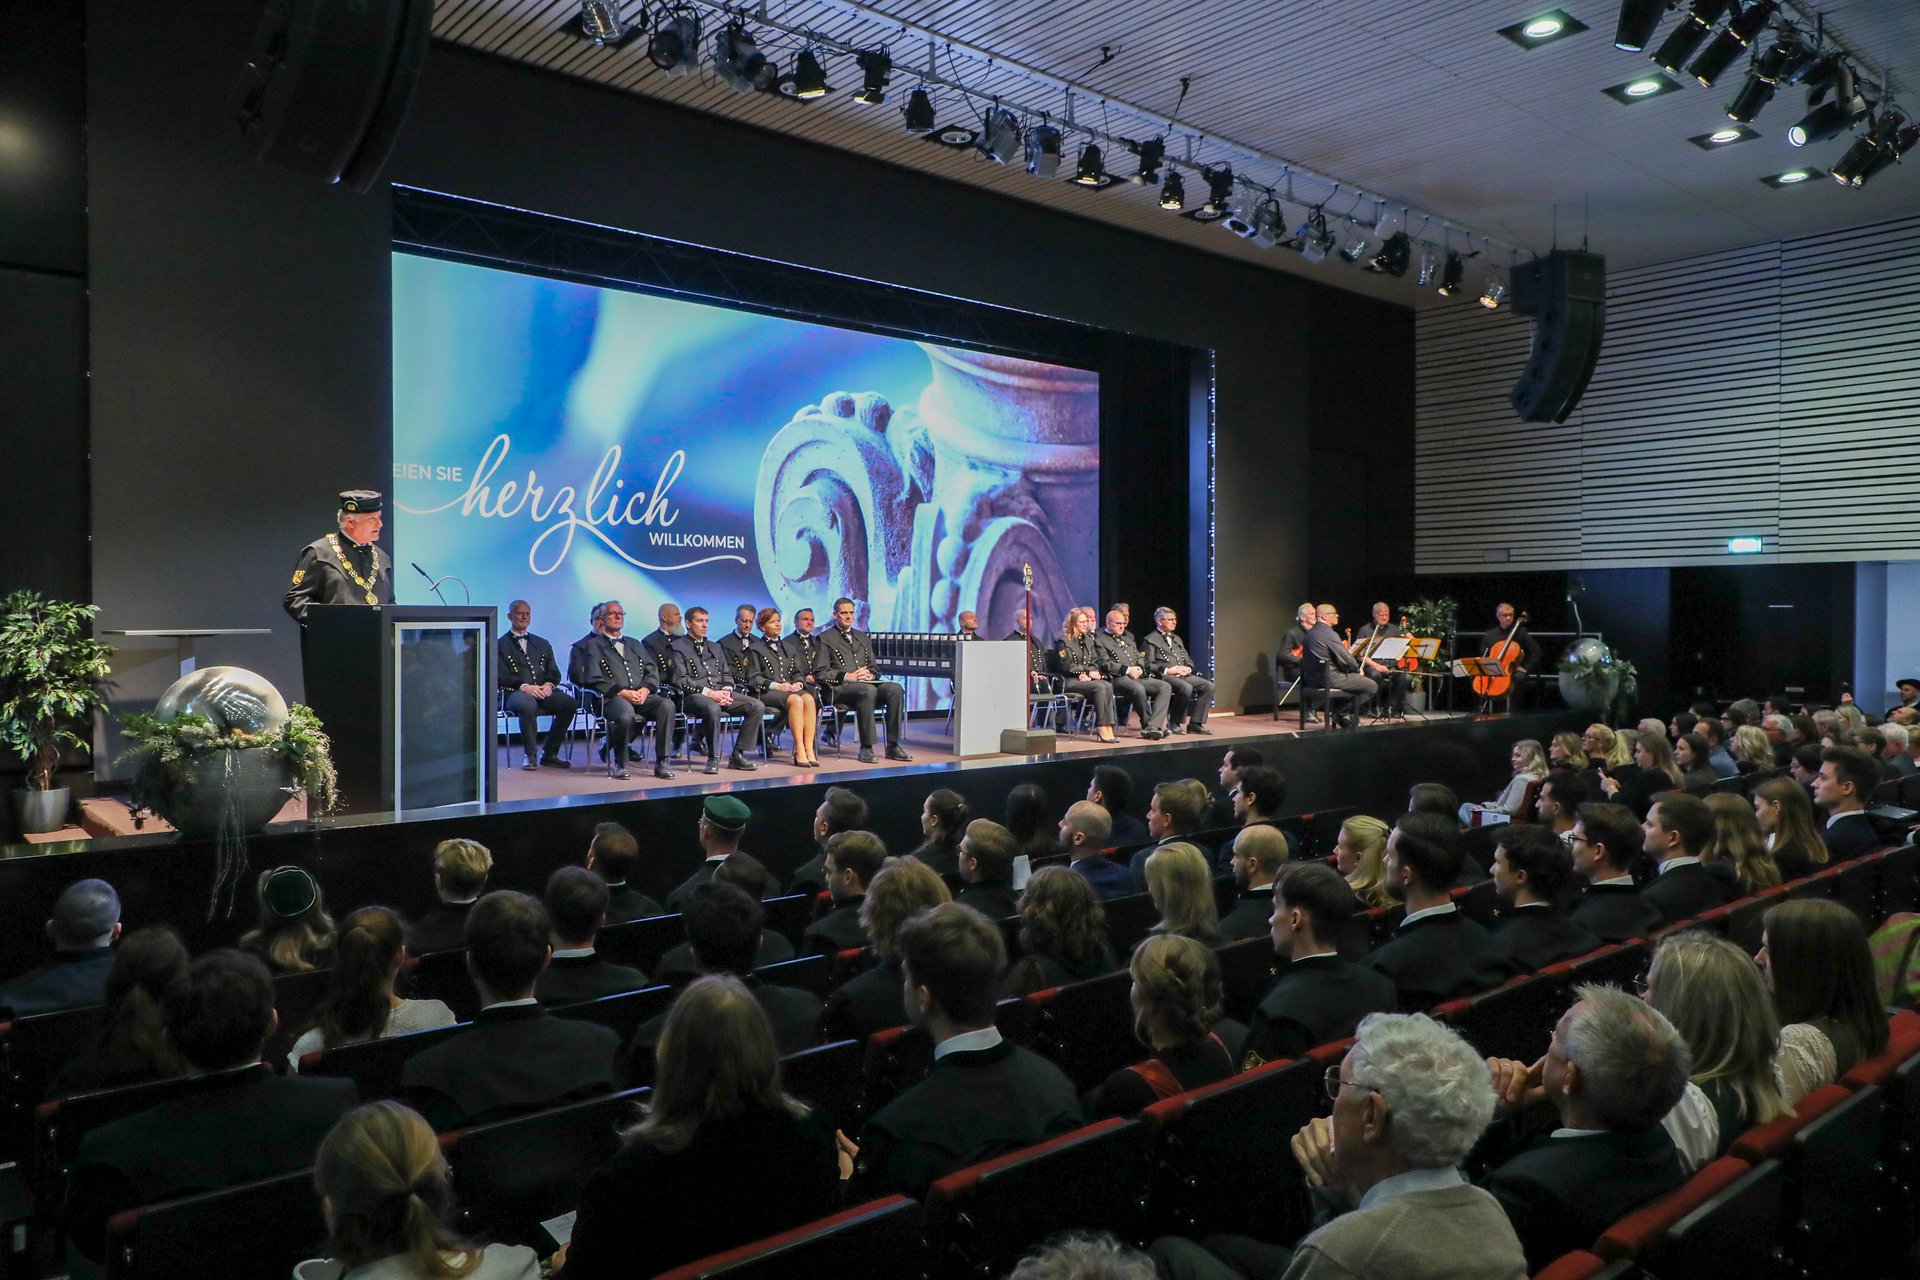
(1724, 137)
(1545, 28)
(1642, 89)
(1792, 178)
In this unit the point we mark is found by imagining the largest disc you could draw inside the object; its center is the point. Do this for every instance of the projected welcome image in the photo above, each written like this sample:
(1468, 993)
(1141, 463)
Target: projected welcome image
(565, 444)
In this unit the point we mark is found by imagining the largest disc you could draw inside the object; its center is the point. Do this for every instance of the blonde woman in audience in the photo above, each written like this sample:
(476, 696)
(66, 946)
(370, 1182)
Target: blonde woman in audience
(1818, 963)
(1529, 764)
(387, 1199)
(1359, 854)
(460, 870)
(1739, 849)
(1180, 882)
(1653, 728)
(1063, 933)
(1565, 752)
(1176, 999)
(1750, 749)
(360, 1003)
(295, 933)
(1653, 772)
(723, 1157)
(1785, 814)
(1715, 997)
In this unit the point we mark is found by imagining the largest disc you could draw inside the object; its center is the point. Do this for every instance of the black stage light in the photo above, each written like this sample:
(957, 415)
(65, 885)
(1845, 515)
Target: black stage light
(919, 112)
(1394, 256)
(1685, 38)
(1731, 43)
(876, 70)
(739, 62)
(1173, 192)
(1219, 187)
(1495, 294)
(1451, 275)
(1754, 94)
(1871, 152)
(1152, 153)
(676, 43)
(1092, 172)
(1043, 151)
(1901, 143)
(809, 78)
(1639, 19)
(1829, 118)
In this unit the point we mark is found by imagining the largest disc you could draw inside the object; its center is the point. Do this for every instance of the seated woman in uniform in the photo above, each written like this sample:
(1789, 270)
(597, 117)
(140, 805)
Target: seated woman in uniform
(1176, 1005)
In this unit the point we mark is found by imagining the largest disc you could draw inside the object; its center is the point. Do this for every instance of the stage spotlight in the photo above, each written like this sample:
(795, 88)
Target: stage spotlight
(1000, 140)
(1729, 44)
(1451, 275)
(1639, 19)
(1269, 227)
(1902, 142)
(1829, 119)
(1316, 241)
(876, 70)
(1360, 249)
(1219, 187)
(1173, 192)
(676, 43)
(1152, 153)
(1871, 152)
(739, 62)
(1043, 151)
(1495, 294)
(808, 79)
(1685, 38)
(601, 23)
(1394, 256)
(919, 113)
(1092, 170)
(1764, 79)
(1429, 266)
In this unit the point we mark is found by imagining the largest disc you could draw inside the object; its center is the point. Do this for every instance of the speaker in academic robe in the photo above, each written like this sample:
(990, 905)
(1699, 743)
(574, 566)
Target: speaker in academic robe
(1566, 294)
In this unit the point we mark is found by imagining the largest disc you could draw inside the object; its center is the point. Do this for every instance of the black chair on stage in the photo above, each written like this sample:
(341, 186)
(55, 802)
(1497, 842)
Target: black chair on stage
(1315, 691)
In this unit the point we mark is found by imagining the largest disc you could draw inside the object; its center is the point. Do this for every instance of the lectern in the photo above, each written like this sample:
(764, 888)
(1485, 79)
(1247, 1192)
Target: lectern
(406, 694)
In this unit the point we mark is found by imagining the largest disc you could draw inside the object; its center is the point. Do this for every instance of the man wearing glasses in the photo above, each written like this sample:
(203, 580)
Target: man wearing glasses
(1606, 836)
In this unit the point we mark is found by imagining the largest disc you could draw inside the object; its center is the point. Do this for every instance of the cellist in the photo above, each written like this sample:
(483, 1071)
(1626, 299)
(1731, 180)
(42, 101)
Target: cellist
(1509, 627)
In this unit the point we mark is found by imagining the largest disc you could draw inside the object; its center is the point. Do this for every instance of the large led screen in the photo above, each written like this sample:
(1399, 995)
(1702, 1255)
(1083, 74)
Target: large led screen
(564, 444)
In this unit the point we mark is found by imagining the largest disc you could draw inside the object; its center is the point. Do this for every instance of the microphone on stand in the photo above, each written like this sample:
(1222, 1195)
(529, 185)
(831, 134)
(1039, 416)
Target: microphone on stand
(433, 583)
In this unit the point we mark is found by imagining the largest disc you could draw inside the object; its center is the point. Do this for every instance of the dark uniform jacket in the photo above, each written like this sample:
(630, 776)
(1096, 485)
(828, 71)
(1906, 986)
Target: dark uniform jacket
(1315, 1001)
(321, 575)
(657, 642)
(631, 666)
(572, 979)
(735, 646)
(795, 1015)
(679, 964)
(1560, 1194)
(1251, 915)
(1075, 655)
(770, 662)
(994, 899)
(1117, 653)
(1534, 937)
(1163, 649)
(442, 929)
(624, 903)
(839, 929)
(1685, 891)
(535, 666)
(811, 875)
(1193, 1064)
(702, 664)
(1616, 913)
(513, 1059)
(577, 661)
(249, 1125)
(1438, 958)
(865, 1003)
(972, 1106)
(75, 980)
(805, 651)
(1851, 837)
(1108, 878)
(844, 651)
(682, 892)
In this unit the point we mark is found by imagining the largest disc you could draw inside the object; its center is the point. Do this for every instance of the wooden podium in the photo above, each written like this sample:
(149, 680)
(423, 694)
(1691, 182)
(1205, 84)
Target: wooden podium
(406, 694)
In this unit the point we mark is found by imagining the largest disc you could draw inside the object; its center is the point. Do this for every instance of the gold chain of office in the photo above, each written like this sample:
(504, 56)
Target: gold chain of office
(333, 540)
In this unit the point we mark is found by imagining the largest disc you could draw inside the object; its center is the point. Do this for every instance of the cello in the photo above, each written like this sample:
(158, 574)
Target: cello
(1506, 653)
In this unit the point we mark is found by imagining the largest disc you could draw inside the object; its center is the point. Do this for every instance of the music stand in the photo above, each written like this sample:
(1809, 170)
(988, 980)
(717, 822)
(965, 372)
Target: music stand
(1473, 669)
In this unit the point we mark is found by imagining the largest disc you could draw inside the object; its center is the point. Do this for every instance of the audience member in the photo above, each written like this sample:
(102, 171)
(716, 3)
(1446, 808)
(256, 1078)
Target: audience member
(723, 820)
(873, 1001)
(1654, 771)
(984, 1095)
(1557, 806)
(744, 872)
(1063, 934)
(1529, 764)
(1814, 953)
(1030, 819)
(1605, 748)
(132, 1047)
(1565, 752)
(1258, 855)
(576, 901)
(1410, 1100)
(724, 926)
(1779, 733)
(389, 1205)
(1737, 854)
(1180, 882)
(1360, 852)
(854, 858)
(85, 922)
(1606, 839)
(1784, 812)
(943, 820)
(1751, 751)
(1077, 1256)
(1533, 873)
(1614, 1069)
(1430, 797)
(1678, 829)
(986, 864)
(1174, 814)
(360, 1003)
(1805, 764)
(516, 1057)
(1681, 725)
(1112, 790)
(719, 1131)
(1436, 953)
(1176, 998)
(242, 1125)
(1084, 833)
(1718, 758)
(294, 934)
(840, 810)
(1257, 797)
(612, 855)
(1894, 757)
(1220, 810)
(460, 869)
(1714, 995)
(1690, 758)
(1840, 790)
(1319, 996)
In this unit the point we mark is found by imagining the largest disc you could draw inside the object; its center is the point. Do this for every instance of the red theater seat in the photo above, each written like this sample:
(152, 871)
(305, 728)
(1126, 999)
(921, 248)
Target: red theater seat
(1640, 1230)
(879, 1239)
(1581, 1265)
(238, 1233)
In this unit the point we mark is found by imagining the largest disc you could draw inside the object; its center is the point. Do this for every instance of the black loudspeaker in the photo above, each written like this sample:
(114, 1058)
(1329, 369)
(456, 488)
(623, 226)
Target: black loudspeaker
(327, 84)
(1566, 294)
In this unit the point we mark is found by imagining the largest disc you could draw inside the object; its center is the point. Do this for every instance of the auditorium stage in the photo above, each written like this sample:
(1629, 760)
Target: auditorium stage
(385, 858)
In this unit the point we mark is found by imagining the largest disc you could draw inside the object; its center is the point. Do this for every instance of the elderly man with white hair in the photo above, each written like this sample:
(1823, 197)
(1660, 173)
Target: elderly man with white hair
(1779, 731)
(1895, 756)
(1410, 1100)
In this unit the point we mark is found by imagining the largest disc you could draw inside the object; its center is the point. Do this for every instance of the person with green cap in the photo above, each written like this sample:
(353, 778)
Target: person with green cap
(722, 820)
(344, 567)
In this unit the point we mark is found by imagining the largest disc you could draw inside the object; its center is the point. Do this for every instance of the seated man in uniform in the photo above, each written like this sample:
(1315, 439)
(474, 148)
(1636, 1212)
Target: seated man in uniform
(847, 666)
(711, 689)
(1168, 659)
(530, 679)
(577, 655)
(1125, 667)
(632, 687)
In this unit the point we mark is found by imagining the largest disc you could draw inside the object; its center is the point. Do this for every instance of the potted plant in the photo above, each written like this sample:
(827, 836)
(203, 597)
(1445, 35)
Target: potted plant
(1593, 677)
(196, 774)
(1430, 619)
(53, 677)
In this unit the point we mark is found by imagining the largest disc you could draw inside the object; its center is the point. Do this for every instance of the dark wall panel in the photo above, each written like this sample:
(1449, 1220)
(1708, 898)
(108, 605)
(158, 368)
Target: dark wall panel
(43, 96)
(43, 433)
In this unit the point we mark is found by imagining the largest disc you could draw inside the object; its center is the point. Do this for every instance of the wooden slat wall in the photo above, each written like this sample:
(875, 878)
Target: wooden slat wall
(1772, 391)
